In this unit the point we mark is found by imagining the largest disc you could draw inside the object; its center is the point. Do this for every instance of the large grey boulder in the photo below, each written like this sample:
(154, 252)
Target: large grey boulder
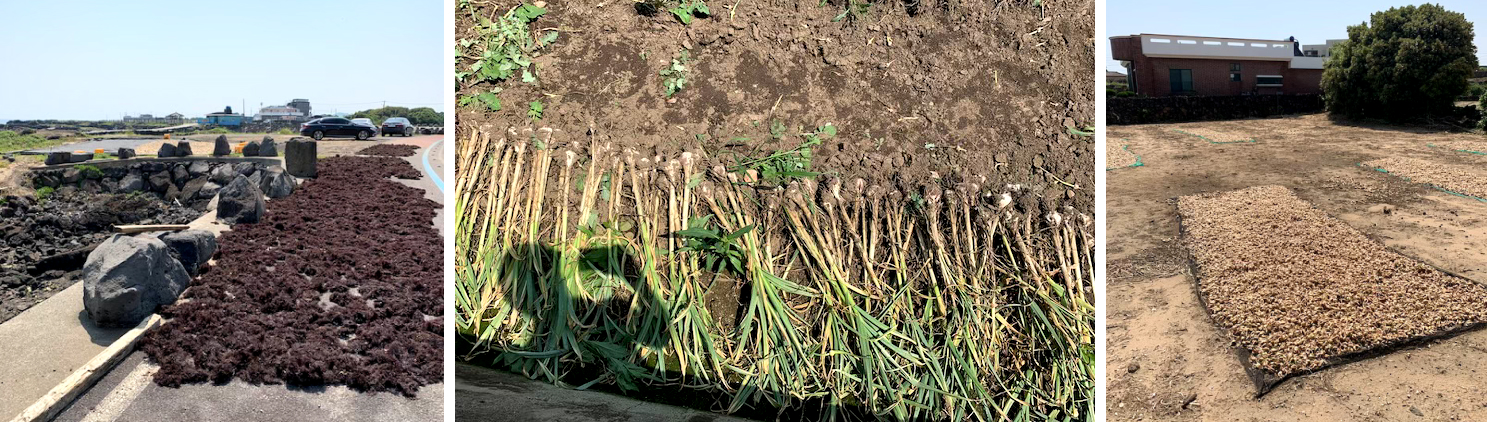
(179, 174)
(199, 168)
(222, 148)
(166, 151)
(276, 183)
(244, 168)
(193, 248)
(299, 157)
(268, 148)
(131, 182)
(126, 278)
(125, 153)
(239, 202)
(223, 173)
(160, 180)
(208, 190)
(251, 149)
(191, 188)
(183, 149)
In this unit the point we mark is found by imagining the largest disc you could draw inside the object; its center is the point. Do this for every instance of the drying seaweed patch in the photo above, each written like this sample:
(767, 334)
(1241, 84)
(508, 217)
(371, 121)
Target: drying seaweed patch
(389, 150)
(1215, 136)
(341, 283)
(1120, 157)
(1461, 180)
(1322, 295)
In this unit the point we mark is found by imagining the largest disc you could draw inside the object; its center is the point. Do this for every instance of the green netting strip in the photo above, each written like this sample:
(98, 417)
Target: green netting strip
(1251, 140)
(1127, 148)
(1407, 179)
(1460, 150)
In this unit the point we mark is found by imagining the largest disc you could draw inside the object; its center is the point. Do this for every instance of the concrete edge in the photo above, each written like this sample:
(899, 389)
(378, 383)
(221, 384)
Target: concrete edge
(86, 376)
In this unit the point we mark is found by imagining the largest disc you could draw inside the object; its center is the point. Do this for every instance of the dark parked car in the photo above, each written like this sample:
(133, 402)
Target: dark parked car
(398, 125)
(336, 127)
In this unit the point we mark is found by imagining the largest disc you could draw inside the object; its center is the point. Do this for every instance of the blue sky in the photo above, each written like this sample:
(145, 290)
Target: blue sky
(1311, 22)
(102, 59)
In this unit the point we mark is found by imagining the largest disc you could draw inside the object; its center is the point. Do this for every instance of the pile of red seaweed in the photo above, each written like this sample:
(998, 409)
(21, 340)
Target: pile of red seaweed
(389, 150)
(340, 283)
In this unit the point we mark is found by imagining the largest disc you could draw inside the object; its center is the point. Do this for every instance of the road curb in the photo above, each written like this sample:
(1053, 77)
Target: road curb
(86, 376)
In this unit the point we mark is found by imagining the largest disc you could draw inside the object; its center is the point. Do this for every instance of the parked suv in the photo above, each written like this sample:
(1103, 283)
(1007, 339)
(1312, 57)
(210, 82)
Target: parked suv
(398, 125)
(336, 127)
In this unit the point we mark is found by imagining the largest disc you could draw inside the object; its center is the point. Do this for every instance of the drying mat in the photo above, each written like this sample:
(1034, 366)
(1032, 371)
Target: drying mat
(1298, 291)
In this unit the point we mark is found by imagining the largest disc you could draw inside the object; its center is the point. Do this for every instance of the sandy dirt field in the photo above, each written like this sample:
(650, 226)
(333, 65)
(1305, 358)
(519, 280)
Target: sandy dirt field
(1168, 361)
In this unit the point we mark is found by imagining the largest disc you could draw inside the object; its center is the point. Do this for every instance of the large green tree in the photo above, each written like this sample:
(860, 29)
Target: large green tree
(1405, 63)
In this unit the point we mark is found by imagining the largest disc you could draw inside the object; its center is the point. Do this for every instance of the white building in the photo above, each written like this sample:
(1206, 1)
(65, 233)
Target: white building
(279, 113)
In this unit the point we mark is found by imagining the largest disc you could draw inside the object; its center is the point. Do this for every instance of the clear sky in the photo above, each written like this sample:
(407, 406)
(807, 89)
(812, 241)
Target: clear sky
(1311, 22)
(102, 59)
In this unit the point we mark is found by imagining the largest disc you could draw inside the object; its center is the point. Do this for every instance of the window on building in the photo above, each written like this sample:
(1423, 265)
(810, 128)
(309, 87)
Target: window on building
(1234, 67)
(1233, 77)
(1182, 80)
(1268, 80)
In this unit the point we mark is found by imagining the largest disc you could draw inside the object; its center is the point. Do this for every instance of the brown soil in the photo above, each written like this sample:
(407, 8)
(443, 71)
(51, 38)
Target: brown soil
(1463, 179)
(1166, 358)
(959, 89)
(352, 296)
(1299, 290)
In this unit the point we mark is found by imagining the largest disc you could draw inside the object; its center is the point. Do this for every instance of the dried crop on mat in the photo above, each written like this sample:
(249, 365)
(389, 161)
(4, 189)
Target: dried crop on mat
(339, 284)
(1473, 147)
(1455, 178)
(1320, 295)
(843, 297)
(1119, 156)
(389, 150)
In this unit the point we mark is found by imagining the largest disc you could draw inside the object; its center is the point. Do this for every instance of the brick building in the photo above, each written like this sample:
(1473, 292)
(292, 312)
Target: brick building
(1165, 65)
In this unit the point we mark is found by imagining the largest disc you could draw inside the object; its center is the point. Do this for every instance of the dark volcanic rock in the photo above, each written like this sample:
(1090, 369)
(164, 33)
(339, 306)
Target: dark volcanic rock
(251, 149)
(193, 248)
(183, 149)
(126, 278)
(239, 202)
(160, 181)
(268, 148)
(125, 153)
(221, 147)
(166, 151)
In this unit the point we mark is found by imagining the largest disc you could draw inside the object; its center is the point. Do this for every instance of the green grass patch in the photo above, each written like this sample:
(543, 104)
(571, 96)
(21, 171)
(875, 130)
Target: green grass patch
(11, 141)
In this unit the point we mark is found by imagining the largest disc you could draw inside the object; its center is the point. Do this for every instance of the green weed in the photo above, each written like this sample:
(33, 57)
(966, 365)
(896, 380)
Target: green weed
(535, 111)
(504, 46)
(676, 74)
(783, 166)
(44, 193)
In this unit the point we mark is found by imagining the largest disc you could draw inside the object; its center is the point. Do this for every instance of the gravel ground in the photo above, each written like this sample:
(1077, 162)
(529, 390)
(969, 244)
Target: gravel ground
(1298, 288)
(1218, 135)
(1458, 178)
(1117, 156)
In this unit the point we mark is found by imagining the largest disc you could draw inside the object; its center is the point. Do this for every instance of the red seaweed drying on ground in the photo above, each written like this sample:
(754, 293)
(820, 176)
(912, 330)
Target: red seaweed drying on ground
(390, 150)
(341, 283)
